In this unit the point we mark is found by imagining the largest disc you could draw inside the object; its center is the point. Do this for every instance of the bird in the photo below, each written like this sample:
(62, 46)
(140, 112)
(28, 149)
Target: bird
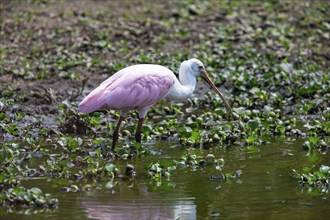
(139, 87)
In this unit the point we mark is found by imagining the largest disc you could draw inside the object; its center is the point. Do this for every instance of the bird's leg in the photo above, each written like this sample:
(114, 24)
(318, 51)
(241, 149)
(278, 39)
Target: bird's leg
(138, 130)
(115, 133)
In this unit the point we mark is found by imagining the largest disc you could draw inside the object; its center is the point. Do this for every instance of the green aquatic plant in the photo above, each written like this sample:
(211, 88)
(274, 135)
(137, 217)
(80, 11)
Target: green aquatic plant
(318, 127)
(22, 197)
(315, 179)
(190, 136)
(159, 171)
(12, 193)
(315, 143)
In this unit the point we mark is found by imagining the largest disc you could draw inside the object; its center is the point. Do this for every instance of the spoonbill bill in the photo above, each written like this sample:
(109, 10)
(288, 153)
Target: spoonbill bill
(141, 86)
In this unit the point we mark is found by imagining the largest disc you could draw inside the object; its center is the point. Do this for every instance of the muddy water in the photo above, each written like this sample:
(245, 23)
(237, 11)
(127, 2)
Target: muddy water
(265, 189)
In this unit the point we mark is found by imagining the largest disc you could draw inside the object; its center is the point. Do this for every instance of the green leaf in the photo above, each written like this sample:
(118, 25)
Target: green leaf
(36, 191)
(11, 170)
(3, 177)
(319, 174)
(280, 128)
(326, 124)
(227, 127)
(228, 175)
(195, 136)
(219, 111)
(314, 140)
(307, 170)
(19, 116)
(251, 139)
(28, 197)
(110, 167)
(253, 124)
(185, 131)
(17, 190)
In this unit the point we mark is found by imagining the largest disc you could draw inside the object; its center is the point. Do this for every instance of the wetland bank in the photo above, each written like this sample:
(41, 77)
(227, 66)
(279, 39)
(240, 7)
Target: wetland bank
(270, 59)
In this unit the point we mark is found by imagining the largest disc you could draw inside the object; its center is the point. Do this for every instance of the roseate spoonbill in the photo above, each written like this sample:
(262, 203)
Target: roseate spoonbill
(143, 85)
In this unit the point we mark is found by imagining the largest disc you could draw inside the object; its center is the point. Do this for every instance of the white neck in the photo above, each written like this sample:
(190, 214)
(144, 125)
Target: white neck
(183, 89)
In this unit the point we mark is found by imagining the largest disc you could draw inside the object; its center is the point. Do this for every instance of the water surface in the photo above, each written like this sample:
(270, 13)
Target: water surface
(265, 190)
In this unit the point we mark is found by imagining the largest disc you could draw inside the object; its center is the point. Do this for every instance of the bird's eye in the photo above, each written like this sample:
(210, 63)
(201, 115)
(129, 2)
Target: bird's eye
(200, 67)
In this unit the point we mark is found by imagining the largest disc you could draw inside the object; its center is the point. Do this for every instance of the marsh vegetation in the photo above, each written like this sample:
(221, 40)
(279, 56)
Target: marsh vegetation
(269, 58)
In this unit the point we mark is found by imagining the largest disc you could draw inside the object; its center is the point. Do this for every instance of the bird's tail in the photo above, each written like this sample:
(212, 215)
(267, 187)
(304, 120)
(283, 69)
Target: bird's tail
(93, 101)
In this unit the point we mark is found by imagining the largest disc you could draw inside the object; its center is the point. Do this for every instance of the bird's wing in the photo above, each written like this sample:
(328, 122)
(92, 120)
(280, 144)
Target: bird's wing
(94, 100)
(127, 90)
(115, 76)
(143, 90)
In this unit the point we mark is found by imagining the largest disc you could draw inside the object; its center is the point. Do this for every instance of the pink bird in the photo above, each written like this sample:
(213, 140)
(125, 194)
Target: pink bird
(143, 85)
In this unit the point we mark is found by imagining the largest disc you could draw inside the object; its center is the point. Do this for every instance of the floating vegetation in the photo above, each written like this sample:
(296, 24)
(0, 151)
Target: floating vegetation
(22, 197)
(319, 179)
(11, 172)
(193, 161)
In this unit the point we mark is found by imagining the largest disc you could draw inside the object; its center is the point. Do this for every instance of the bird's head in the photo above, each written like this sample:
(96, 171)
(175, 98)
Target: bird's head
(194, 67)
(197, 68)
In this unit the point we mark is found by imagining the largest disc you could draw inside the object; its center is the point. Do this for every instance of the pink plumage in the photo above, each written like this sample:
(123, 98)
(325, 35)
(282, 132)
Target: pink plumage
(141, 86)
(135, 87)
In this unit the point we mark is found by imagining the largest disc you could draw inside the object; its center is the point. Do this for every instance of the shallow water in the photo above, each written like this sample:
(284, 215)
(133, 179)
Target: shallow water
(265, 190)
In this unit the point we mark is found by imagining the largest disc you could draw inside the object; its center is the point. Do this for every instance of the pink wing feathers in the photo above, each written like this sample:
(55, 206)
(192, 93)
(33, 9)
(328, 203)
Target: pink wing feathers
(93, 101)
(135, 87)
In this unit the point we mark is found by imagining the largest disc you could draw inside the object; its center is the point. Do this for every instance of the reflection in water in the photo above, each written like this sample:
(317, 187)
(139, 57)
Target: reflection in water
(137, 206)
